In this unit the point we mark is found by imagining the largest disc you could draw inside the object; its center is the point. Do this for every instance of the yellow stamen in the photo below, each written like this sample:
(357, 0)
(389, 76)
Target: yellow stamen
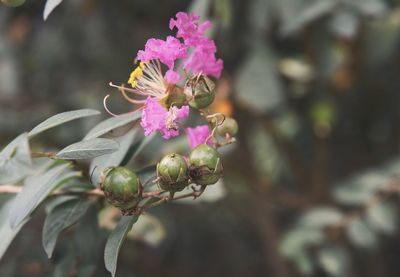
(135, 74)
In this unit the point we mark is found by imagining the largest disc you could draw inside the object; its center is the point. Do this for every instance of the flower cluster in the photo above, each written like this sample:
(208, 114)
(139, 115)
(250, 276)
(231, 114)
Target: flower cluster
(173, 74)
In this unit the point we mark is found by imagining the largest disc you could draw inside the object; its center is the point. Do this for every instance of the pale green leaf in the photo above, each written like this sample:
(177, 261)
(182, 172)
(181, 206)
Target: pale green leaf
(321, 217)
(60, 218)
(61, 118)
(334, 261)
(15, 160)
(34, 192)
(115, 241)
(88, 149)
(7, 234)
(111, 124)
(113, 159)
(382, 218)
(360, 234)
(258, 85)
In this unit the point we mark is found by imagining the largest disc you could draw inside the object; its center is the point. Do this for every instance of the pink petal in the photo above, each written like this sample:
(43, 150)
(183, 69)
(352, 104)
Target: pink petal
(198, 135)
(153, 116)
(172, 76)
(166, 51)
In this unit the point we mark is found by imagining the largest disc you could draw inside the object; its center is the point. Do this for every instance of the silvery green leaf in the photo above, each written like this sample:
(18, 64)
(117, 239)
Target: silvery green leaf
(305, 14)
(113, 159)
(88, 149)
(35, 190)
(258, 85)
(334, 261)
(149, 229)
(115, 241)
(345, 23)
(49, 7)
(7, 233)
(382, 218)
(60, 218)
(200, 8)
(295, 241)
(111, 124)
(360, 234)
(15, 160)
(370, 7)
(321, 217)
(304, 263)
(61, 118)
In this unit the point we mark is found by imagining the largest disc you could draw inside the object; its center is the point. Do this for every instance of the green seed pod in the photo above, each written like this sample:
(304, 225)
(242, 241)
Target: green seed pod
(229, 126)
(13, 3)
(172, 173)
(205, 165)
(175, 97)
(203, 93)
(121, 188)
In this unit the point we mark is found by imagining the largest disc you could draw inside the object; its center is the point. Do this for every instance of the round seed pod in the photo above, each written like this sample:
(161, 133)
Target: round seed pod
(13, 3)
(203, 93)
(172, 173)
(205, 165)
(121, 188)
(229, 126)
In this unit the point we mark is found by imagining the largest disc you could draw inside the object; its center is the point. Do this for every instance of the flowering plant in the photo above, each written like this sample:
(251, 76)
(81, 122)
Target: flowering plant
(171, 80)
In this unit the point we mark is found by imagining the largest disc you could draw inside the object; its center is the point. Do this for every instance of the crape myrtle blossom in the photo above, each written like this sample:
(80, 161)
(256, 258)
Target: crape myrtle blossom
(157, 118)
(156, 90)
(198, 135)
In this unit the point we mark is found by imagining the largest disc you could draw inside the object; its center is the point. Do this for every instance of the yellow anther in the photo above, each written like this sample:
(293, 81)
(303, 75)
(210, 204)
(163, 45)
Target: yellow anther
(135, 74)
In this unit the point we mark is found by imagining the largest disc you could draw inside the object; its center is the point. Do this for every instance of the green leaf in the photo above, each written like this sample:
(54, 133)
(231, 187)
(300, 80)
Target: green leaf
(258, 85)
(113, 159)
(360, 234)
(60, 218)
(49, 7)
(7, 233)
(297, 240)
(15, 160)
(345, 23)
(61, 118)
(33, 193)
(115, 241)
(383, 218)
(111, 124)
(308, 12)
(88, 149)
(335, 261)
(321, 217)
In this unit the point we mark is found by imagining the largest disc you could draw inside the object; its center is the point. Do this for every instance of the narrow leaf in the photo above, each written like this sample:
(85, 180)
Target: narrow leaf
(115, 241)
(113, 159)
(49, 7)
(6, 233)
(15, 160)
(34, 192)
(61, 118)
(60, 218)
(111, 124)
(88, 149)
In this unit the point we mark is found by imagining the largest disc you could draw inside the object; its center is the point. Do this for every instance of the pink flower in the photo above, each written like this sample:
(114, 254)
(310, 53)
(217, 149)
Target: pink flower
(198, 135)
(157, 118)
(188, 28)
(203, 60)
(166, 52)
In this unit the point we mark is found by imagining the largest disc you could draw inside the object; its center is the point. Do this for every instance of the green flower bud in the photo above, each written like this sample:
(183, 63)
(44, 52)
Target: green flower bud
(172, 173)
(205, 165)
(203, 93)
(13, 3)
(121, 188)
(229, 126)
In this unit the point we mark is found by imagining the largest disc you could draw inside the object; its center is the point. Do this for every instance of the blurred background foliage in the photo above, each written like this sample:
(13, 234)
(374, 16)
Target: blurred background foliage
(310, 188)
